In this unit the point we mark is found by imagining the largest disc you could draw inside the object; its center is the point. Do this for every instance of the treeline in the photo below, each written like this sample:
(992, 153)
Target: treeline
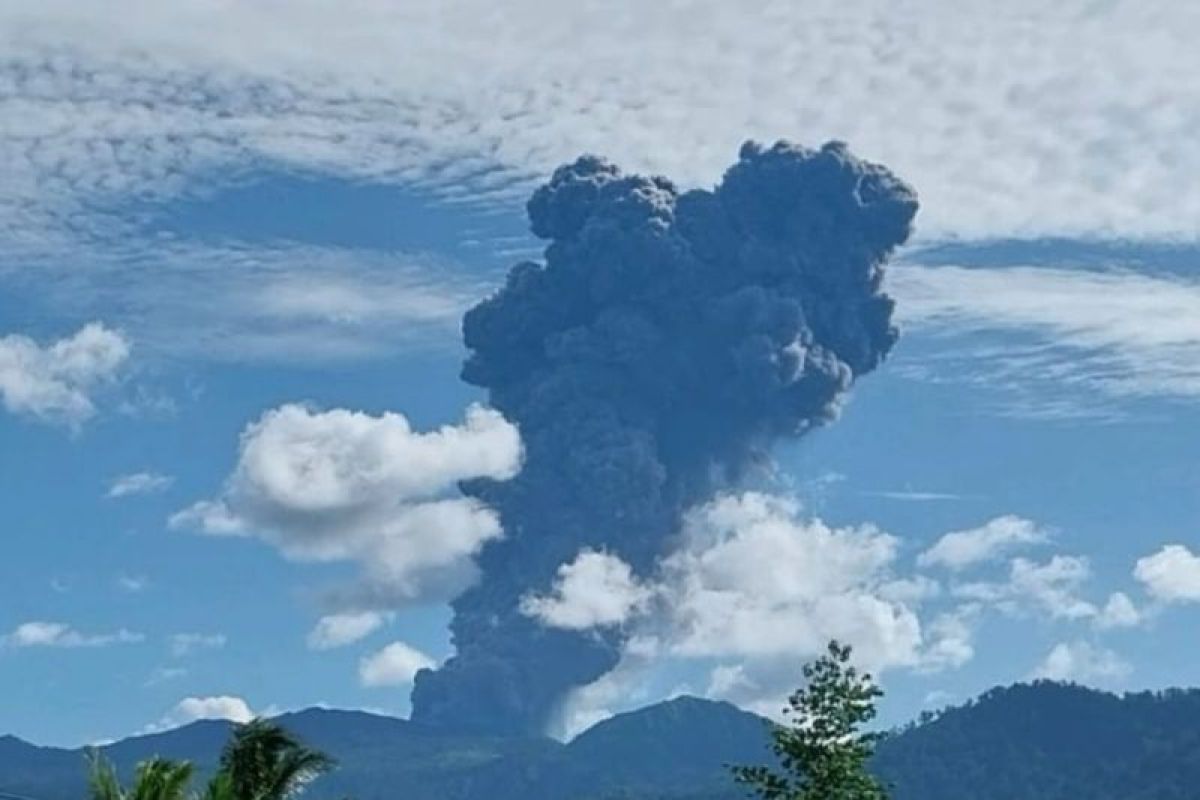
(1050, 741)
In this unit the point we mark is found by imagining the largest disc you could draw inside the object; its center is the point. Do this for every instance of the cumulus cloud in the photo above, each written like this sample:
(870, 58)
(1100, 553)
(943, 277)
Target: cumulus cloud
(1051, 588)
(195, 709)
(138, 483)
(395, 665)
(1082, 662)
(58, 634)
(348, 486)
(184, 644)
(55, 382)
(961, 549)
(755, 579)
(1171, 575)
(339, 630)
(755, 588)
(950, 636)
(1053, 585)
(596, 589)
(1119, 612)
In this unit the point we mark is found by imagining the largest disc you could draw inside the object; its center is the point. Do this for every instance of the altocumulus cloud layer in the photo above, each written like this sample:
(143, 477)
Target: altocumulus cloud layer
(1067, 118)
(1079, 341)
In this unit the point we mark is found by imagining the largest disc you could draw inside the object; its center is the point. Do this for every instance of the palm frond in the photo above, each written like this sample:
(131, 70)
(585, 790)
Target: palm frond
(264, 761)
(103, 783)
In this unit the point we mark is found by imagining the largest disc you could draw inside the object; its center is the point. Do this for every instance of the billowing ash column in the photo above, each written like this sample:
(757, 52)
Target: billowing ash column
(666, 342)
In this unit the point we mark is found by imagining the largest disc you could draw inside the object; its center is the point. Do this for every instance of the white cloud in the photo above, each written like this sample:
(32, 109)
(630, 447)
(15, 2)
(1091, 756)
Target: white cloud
(1053, 585)
(753, 579)
(273, 301)
(132, 583)
(754, 589)
(912, 590)
(343, 485)
(184, 644)
(1051, 588)
(194, 709)
(395, 665)
(938, 698)
(1092, 336)
(1171, 575)
(1119, 612)
(1081, 662)
(594, 590)
(339, 630)
(55, 382)
(337, 299)
(475, 103)
(961, 549)
(950, 636)
(624, 687)
(138, 483)
(58, 634)
(1065, 118)
(911, 496)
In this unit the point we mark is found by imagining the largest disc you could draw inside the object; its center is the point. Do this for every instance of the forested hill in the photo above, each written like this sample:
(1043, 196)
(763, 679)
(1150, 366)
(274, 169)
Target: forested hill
(1028, 742)
(1052, 742)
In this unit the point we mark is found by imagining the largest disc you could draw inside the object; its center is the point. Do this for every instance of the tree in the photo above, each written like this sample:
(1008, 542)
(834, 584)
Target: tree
(156, 779)
(263, 761)
(822, 750)
(219, 787)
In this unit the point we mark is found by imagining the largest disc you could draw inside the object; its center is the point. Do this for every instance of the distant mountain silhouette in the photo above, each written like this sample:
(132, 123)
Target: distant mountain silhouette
(1028, 742)
(1050, 741)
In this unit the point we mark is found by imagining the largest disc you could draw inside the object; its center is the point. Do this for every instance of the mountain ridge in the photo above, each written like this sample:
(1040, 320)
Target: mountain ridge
(1041, 741)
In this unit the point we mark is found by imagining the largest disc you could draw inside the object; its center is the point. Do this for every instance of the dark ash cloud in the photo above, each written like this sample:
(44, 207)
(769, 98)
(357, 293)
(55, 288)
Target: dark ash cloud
(654, 357)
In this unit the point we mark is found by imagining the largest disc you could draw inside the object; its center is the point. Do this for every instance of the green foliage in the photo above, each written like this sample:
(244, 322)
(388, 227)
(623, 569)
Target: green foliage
(1048, 741)
(156, 779)
(823, 751)
(262, 761)
(219, 787)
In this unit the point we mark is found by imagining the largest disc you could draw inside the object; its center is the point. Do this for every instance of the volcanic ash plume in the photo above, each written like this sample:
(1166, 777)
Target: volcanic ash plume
(666, 342)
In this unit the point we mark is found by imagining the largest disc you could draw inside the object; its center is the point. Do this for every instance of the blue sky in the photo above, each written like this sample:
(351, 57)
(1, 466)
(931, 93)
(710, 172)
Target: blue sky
(245, 227)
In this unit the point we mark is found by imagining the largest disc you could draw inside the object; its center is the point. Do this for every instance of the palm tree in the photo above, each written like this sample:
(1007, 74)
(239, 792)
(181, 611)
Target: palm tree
(219, 787)
(156, 779)
(265, 762)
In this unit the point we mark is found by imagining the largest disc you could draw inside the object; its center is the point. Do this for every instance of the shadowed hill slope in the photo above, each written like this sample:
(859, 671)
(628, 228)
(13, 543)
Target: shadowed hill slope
(1028, 742)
